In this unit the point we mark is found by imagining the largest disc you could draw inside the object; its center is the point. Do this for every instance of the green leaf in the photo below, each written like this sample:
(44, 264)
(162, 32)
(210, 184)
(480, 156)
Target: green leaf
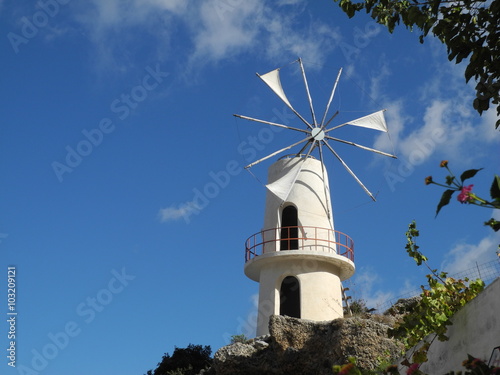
(445, 199)
(420, 355)
(469, 174)
(494, 224)
(469, 71)
(495, 188)
(469, 30)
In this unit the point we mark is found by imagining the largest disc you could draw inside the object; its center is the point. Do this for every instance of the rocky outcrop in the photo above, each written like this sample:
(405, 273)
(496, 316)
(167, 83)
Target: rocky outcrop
(297, 346)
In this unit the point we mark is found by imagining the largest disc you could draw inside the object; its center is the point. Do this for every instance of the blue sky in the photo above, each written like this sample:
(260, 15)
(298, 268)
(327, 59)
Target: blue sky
(124, 203)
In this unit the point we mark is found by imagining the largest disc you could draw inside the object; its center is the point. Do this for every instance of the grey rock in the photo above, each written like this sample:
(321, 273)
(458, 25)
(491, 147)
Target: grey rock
(259, 344)
(298, 346)
(403, 306)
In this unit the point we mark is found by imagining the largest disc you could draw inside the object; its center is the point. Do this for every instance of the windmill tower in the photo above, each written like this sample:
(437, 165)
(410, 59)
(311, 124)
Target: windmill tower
(299, 259)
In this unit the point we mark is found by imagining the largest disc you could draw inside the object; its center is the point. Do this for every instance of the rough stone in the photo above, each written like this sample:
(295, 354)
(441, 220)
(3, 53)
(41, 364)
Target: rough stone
(403, 306)
(297, 346)
(259, 344)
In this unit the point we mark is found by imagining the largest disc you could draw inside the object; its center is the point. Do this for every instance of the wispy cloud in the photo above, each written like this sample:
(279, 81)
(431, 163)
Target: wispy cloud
(368, 293)
(118, 29)
(283, 36)
(378, 81)
(117, 13)
(396, 119)
(177, 212)
(221, 29)
(437, 116)
(448, 107)
(464, 255)
(447, 127)
(215, 29)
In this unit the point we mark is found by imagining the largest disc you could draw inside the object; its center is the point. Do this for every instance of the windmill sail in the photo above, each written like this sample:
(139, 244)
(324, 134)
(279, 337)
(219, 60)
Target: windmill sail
(282, 187)
(272, 79)
(374, 121)
(316, 135)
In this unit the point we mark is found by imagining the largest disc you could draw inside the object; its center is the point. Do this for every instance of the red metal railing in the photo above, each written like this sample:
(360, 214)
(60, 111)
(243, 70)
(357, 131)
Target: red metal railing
(299, 238)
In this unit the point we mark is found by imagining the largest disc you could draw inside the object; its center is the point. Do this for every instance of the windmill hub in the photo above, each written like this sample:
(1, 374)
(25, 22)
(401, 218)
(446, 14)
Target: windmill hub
(318, 134)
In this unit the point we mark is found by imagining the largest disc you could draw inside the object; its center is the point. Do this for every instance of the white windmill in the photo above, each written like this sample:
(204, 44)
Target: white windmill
(298, 258)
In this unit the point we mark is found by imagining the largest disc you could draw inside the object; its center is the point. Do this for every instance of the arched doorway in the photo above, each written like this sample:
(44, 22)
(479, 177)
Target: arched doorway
(290, 297)
(289, 229)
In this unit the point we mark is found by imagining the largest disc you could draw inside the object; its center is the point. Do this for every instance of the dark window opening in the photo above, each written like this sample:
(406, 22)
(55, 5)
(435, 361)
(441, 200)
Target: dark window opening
(289, 229)
(290, 297)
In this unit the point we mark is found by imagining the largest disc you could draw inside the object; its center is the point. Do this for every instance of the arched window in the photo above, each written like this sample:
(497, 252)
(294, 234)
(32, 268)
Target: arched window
(289, 229)
(290, 297)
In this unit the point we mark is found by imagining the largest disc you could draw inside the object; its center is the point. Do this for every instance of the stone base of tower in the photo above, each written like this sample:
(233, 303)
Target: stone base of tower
(300, 284)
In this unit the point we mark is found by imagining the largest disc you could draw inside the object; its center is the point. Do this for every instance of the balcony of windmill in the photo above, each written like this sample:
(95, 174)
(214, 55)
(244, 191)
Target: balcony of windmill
(292, 238)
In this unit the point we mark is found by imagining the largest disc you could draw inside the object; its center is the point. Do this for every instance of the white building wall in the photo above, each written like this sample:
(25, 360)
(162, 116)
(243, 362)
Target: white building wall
(321, 296)
(307, 194)
(320, 289)
(475, 331)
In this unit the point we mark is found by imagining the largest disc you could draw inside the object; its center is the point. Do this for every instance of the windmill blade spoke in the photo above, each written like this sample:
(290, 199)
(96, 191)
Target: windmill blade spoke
(361, 146)
(331, 118)
(336, 127)
(331, 98)
(303, 148)
(308, 93)
(350, 171)
(271, 123)
(321, 155)
(277, 152)
(301, 118)
(313, 146)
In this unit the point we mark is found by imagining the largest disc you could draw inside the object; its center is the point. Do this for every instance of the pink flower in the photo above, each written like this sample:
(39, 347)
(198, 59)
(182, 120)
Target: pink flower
(414, 367)
(464, 197)
(346, 369)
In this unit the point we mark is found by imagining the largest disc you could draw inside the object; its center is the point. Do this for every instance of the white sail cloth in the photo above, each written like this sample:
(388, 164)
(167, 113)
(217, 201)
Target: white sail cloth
(374, 121)
(272, 79)
(282, 187)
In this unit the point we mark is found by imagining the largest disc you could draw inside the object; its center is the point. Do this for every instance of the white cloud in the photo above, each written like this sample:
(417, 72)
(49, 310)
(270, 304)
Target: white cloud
(290, 2)
(447, 128)
(119, 13)
(177, 212)
(449, 125)
(221, 29)
(215, 29)
(315, 42)
(368, 279)
(425, 138)
(118, 29)
(487, 130)
(465, 256)
(377, 81)
(396, 119)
